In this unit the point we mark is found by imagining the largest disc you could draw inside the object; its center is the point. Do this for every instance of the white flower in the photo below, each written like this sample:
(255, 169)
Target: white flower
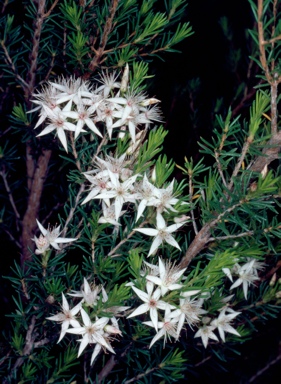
(164, 198)
(47, 97)
(51, 237)
(83, 116)
(92, 333)
(109, 215)
(90, 296)
(167, 328)
(169, 277)
(152, 303)
(206, 333)
(121, 192)
(108, 82)
(99, 184)
(222, 323)
(57, 122)
(145, 193)
(161, 233)
(247, 276)
(66, 317)
(42, 244)
(189, 310)
(116, 165)
(71, 89)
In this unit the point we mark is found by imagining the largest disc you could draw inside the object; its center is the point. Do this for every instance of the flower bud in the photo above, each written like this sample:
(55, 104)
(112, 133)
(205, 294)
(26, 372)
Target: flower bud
(50, 299)
(153, 175)
(150, 101)
(273, 280)
(125, 79)
(122, 132)
(180, 219)
(113, 330)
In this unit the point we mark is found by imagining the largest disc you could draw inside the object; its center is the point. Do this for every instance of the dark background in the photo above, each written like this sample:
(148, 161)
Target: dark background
(189, 114)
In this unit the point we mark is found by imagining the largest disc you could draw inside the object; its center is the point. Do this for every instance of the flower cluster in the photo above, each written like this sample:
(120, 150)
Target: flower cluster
(73, 105)
(247, 274)
(113, 183)
(100, 332)
(169, 317)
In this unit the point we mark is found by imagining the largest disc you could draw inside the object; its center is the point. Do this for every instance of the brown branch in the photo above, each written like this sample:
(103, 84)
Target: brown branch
(29, 219)
(12, 201)
(190, 186)
(203, 237)
(30, 164)
(107, 368)
(136, 378)
(261, 42)
(12, 65)
(272, 41)
(261, 371)
(72, 210)
(107, 29)
(31, 74)
(29, 343)
(47, 14)
(269, 153)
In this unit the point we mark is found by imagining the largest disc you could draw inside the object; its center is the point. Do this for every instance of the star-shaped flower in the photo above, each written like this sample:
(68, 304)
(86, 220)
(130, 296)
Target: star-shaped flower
(169, 277)
(90, 295)
(161, 233)
(145, 193)
(222, 323)
(152, 303)
(167, 328)
(120, 192)
(51, 237)
(189, 310)
(57, 122)
(92, 333)
(66, 317)
(206, 333)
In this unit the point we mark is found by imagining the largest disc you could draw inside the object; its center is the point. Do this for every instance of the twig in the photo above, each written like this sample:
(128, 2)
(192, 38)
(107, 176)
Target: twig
(12, 201)
(106, 31)
(102, 143)
(261, 42)
(190, 199)
(203, 237)
(110, 365)
(261, 371)
(136, 378)
(217, 156)
(31, 74)
(50, 68)
(107, 368)
(78, 164)
(203, 361)
(271, 41)
(111, 253)
(29, 344)
(24, 288)
(244, 152)
(72, 210)
(47, 14)
(12, 65)
(244, 234)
